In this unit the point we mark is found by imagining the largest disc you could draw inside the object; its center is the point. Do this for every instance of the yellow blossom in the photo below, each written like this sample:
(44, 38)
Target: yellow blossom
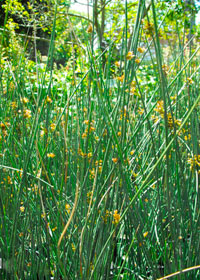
(92, 128)
(89, 155)
(25, 100)
(159, 108)
(117, 63)
(170, 120)
(51, 155)
(145, 234)
(14, 105)
(48, 99)
(53, 126)
(178, 122)
(2, 125)
(105, 218)
(115, 160)
(27, 114)
(132, 91)
(89, 195)
(130, 55)
(121, 78)
(86, 122)
(9, 180)
(73, 247)
(84, 135)
(140, 111)
(67, 208)
(190, 81)
(194, 162)
(137, 60)
(116, 217)
(92, 173)
(22, 208)
(173, 98)
(133, 175)
(141, 50)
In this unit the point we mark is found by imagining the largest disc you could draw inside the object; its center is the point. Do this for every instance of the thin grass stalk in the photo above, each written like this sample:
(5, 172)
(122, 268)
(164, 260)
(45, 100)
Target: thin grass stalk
(65, 230)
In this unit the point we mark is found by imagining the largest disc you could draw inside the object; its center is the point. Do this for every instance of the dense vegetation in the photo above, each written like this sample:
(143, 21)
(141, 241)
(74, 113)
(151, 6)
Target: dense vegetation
(99, 140)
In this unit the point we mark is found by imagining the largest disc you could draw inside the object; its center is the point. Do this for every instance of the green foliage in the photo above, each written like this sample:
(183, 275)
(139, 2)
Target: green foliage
(100, 157)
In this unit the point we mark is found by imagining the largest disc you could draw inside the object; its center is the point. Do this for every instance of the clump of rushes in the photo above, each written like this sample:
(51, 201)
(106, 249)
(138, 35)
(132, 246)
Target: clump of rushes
(100, 157)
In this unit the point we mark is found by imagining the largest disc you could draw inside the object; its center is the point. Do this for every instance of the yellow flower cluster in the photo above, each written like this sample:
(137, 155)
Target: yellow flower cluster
(9, 180)
(27, 114)
(48, 99)
(51, 155)
(89, 128)
(99, 164)
(176, 122)
(190, 81)
(115, 160)
(141, 50)
(145, 234)
(53, 126)
(22, 208)
(89, 194)
(137, 60)
(170, 120)
(4, 127)
(67, 208)
(106, 216)
(194, 162)
(130, 56)
(73, 247)
(117, 64)
(13, 105)
(116, 217)
(25, 100)
(81, 153)
(92, 173)
(159, 108)
(124, 113)
(120, 78)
